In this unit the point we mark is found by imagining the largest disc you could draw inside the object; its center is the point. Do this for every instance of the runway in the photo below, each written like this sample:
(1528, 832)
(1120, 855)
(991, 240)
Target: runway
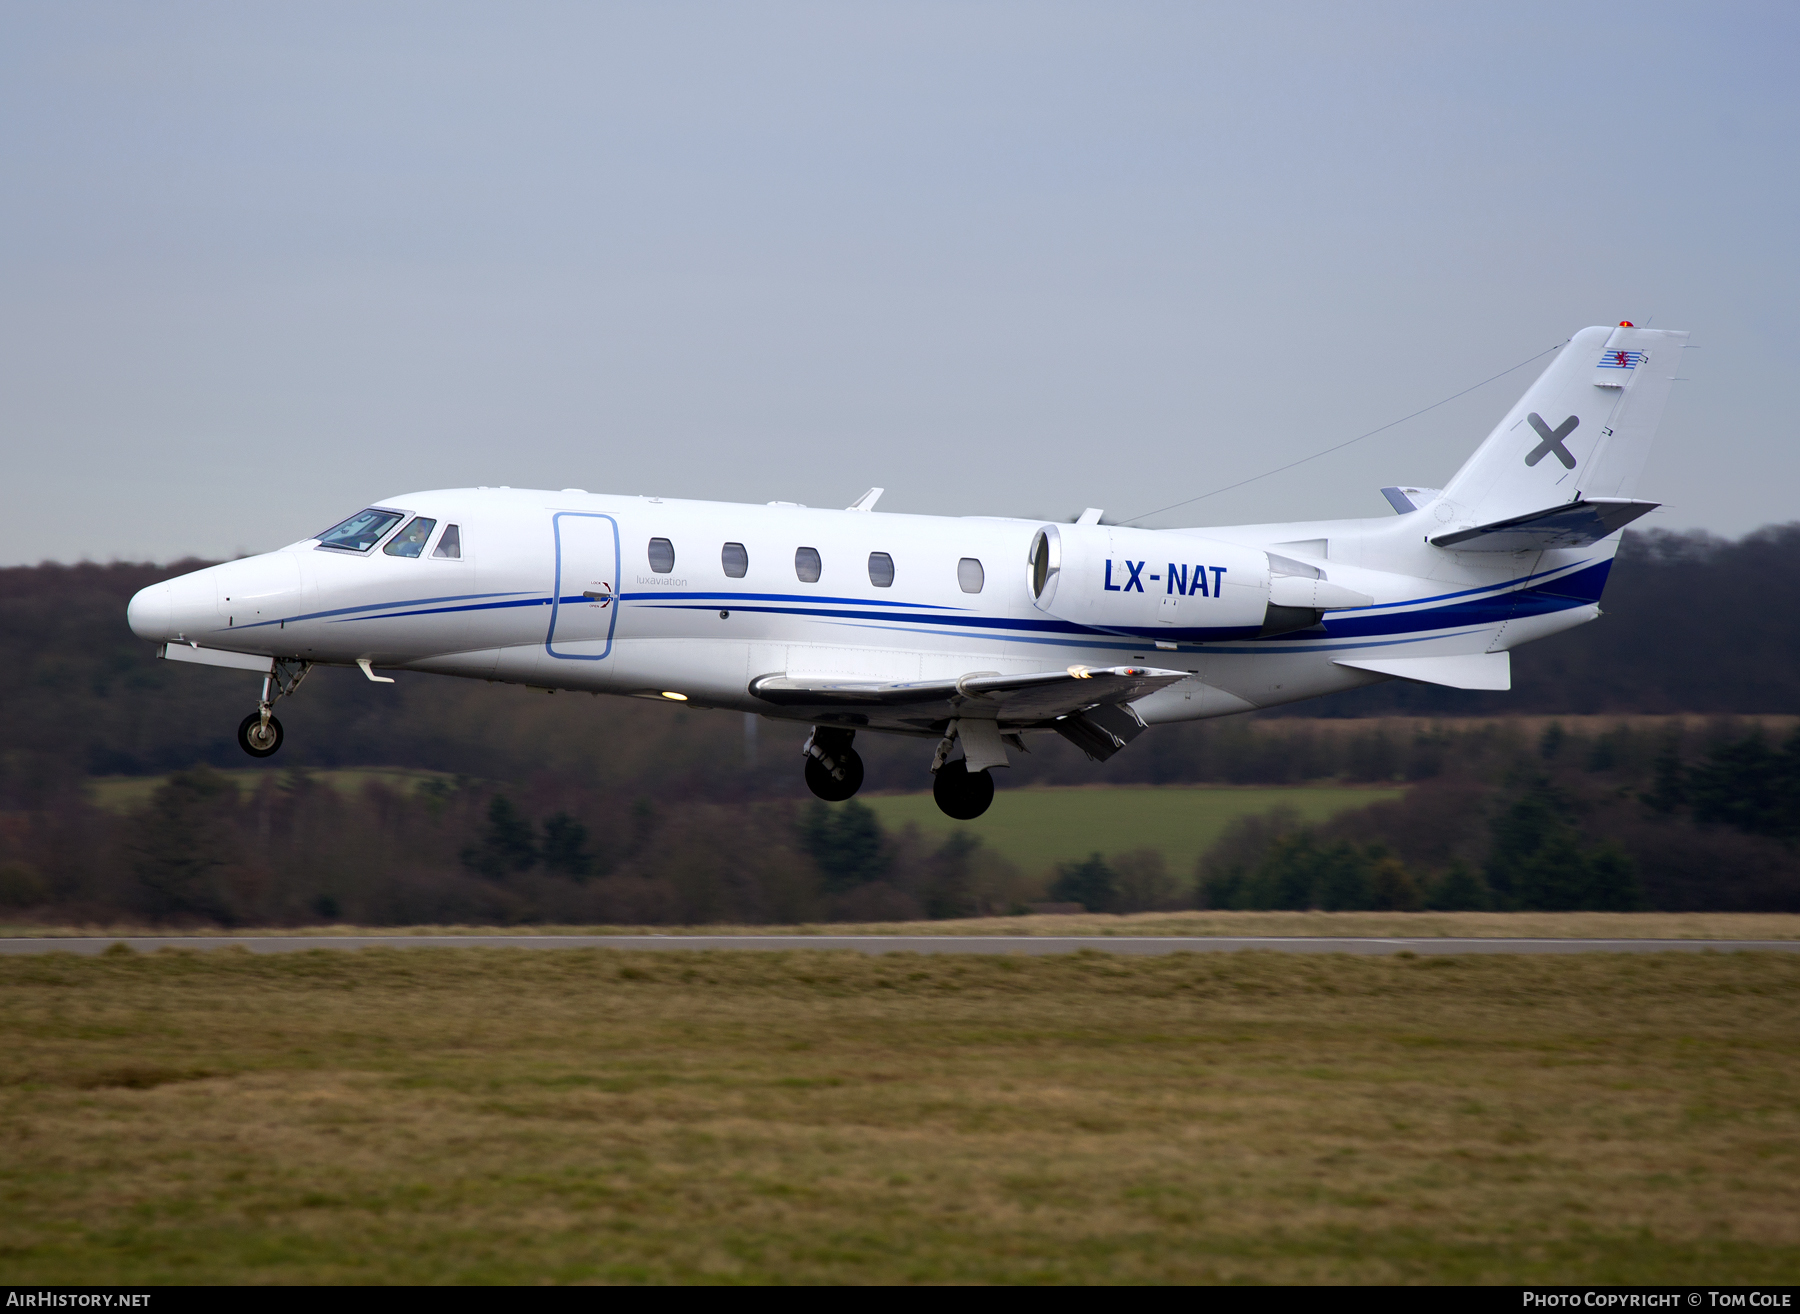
(896, 944)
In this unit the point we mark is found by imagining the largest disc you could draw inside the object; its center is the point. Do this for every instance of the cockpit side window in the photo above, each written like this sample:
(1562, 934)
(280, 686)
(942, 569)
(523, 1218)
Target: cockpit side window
(410, 542)
(361, 531)
(450, 545)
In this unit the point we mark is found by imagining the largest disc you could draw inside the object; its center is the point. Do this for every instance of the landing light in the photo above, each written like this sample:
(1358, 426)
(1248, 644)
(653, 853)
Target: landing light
(680, 698)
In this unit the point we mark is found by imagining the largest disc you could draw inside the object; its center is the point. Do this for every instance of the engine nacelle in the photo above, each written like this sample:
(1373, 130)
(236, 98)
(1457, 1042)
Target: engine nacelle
(1153, 585)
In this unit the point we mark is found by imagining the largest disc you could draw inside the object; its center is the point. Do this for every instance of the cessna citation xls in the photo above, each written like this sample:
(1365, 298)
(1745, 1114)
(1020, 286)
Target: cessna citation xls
(972, 632)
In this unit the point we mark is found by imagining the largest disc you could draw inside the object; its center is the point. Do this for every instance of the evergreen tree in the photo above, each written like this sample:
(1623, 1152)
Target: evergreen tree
(1537, 861)
(1750, 786)
(508, 845)
(949, 886)
(1670, 789)
(565, 846)
(846, 842)
(1090, 883)
(1460, 889)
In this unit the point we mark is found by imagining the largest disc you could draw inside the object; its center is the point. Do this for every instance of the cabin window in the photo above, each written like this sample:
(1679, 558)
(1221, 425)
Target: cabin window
(361, 531)
(969, 576)
(881, 570)
(806, 565)
(662, 556)
(735, 560)
(411, 541)
(450, 545)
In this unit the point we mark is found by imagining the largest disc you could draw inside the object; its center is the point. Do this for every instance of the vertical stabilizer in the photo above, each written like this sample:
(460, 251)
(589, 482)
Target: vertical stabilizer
(1582, 430)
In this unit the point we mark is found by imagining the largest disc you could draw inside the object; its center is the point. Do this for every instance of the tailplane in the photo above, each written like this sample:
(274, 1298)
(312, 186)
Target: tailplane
(1569, 453)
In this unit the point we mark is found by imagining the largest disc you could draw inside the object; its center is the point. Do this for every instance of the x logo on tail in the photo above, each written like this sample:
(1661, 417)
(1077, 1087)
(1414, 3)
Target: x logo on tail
(1553, 440)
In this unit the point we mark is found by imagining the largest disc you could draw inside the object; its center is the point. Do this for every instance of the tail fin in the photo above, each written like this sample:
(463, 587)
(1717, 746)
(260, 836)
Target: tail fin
(1582, 431)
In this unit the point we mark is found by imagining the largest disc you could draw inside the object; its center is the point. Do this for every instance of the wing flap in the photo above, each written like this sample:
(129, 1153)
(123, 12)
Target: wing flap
(1016, 699)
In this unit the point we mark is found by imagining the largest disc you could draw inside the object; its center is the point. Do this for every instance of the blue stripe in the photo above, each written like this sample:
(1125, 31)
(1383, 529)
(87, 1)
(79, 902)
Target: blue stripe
(381, 606)
(784, 597)
(444, 611)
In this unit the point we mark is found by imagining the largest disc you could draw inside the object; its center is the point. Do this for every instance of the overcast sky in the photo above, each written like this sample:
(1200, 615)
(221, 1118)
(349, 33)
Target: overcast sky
(262, 264)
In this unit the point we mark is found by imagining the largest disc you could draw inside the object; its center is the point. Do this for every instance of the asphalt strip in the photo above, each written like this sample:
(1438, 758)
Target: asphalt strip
(896, 944)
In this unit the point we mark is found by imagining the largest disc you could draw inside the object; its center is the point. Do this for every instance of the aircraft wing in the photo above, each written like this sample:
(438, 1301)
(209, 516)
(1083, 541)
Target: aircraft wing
(1037, 697)
(1573, 524)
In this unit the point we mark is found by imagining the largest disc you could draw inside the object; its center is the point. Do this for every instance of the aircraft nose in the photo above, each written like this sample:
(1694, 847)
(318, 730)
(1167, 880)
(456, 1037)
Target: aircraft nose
(148, 613)
(185, 607)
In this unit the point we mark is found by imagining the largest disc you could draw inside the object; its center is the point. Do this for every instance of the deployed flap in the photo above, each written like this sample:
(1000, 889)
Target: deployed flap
(1573, 524)
(1038, 696)
(1475, 670)
(1100, 731)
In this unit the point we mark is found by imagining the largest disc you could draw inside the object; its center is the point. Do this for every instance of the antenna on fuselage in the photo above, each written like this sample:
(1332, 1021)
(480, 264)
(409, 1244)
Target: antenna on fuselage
(867, 501)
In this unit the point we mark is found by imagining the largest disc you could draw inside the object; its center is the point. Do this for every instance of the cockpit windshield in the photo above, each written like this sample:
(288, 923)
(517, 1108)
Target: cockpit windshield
(361, 531)
(410, 541)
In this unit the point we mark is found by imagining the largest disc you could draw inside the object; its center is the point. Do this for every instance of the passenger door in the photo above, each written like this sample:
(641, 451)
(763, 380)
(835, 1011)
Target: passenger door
(584, 608)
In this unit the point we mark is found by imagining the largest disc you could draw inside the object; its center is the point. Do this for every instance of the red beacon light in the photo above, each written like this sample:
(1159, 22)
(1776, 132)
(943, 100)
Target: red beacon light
(1625, 323)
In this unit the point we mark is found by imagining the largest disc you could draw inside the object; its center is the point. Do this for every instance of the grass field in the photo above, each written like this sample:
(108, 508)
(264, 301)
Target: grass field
(489, 1115)
(1478, 925)
(1037, 828)
(123, 793)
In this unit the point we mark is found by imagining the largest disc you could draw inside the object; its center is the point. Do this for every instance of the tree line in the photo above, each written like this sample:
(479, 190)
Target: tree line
(1647, 814)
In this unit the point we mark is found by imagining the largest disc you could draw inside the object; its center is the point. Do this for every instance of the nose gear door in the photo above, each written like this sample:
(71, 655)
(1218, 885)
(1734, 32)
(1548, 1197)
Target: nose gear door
(584, 608)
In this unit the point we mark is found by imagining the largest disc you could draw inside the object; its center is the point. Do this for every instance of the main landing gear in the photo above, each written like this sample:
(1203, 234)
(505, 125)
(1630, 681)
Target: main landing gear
(259, 734)
(958, 791)
(833, 770)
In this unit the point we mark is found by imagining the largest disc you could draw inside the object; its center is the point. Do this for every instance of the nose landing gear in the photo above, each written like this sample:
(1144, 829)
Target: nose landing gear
(834, 771)
(260, 734)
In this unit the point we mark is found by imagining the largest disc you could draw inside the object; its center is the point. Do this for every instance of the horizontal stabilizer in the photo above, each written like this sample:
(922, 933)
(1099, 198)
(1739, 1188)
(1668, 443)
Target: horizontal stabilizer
(1573, 524)
(1037, 697)
(1404, 499)
(1475, 670)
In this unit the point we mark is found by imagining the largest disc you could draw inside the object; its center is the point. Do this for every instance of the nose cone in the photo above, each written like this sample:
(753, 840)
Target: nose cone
(186, 607)
(148, 614)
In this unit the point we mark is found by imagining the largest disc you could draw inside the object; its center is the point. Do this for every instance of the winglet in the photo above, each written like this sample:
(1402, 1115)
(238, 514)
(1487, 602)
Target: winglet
(867, 501)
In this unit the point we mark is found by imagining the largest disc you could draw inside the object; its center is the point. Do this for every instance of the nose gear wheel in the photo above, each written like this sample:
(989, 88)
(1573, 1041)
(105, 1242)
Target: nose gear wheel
(257, 737)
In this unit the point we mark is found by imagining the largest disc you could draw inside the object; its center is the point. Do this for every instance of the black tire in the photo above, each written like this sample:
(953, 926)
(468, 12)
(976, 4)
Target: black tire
(960, 792)
(254, 722)
(832, 790)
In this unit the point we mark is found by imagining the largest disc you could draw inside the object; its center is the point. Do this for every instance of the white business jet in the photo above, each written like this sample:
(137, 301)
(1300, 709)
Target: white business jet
(974, 632)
